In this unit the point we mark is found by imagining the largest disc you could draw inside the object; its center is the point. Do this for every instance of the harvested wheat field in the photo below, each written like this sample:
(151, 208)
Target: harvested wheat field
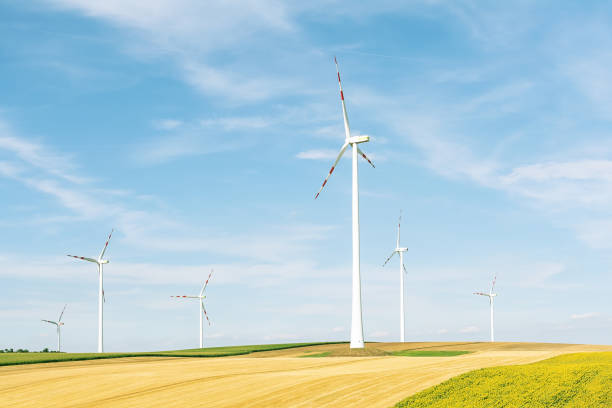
(281, 378)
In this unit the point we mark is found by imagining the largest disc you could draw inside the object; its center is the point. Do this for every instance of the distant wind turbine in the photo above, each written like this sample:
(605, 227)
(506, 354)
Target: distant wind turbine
(201, 309)
(59, 325)
(490, 295)
(356, 320)
(399, 250)
(100, 261)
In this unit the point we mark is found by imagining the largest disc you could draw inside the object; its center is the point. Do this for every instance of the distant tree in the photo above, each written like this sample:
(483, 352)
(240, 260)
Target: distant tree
(45, 350)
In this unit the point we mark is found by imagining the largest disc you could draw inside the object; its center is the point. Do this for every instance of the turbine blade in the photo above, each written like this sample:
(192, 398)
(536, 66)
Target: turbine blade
(206, 284)
(342, 150)
(205, 314)
(405, 270)
(106, 245)
(83, 258)
(103, 296)
(481, 294)
(184, 296)
(389, 258)
(493, 284)
(49, 321)
(399, 223)
(365, 157)
(60, 318)
(347, 129)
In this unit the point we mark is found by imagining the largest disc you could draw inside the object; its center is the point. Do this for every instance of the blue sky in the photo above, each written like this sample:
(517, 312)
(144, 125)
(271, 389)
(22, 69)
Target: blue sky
(201, 133)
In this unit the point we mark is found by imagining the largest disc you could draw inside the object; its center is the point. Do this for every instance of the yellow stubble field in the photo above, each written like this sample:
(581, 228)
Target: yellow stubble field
(267, 379)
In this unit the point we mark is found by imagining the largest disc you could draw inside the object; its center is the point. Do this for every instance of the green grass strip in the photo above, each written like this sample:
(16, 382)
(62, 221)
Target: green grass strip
(324, 354)
(570, 380)
(35, 358)
(429, 353)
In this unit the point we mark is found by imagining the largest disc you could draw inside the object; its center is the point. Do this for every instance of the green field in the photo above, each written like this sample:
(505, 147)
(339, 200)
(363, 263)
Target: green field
(429, 353)
(324, 354)
(33, 357)
(570, 380)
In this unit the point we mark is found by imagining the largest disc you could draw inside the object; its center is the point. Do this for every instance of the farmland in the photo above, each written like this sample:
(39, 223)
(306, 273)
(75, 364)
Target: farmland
(34, 357)
(571, 380)
(278, 378)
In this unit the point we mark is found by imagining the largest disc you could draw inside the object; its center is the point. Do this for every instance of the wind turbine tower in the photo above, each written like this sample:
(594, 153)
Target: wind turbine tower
(353, 141)
(491, 296)
(100, 262)
(59, 325)
(402, 270)
(201, 308)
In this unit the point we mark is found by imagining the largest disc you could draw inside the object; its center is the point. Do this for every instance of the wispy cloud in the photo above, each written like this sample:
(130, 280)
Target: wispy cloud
(189, 31)
(469, 329)
(37, 155)
(318, 154)
(167, 124)
(582, 316)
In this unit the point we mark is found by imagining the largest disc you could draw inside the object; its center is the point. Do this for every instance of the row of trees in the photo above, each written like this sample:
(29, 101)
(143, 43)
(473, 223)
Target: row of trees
(10, 350)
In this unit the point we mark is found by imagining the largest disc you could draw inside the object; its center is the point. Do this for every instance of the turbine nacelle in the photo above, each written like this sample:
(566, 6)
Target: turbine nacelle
(358, 139)
(401, 249)
(103, 261)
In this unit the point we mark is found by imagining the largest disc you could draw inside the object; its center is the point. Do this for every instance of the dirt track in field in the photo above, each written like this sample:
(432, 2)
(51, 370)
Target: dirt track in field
(266, 379)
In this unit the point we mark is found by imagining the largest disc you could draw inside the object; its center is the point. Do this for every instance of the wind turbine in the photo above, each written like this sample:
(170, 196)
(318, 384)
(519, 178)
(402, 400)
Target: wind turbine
(59, 325)
(202, 309)
(100, 261)
(399, 250)
(353, 141)
(490, 295)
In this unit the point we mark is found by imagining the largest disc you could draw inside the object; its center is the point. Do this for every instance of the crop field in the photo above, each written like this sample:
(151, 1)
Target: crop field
(278, 378)
(34, 357)
(571, 380)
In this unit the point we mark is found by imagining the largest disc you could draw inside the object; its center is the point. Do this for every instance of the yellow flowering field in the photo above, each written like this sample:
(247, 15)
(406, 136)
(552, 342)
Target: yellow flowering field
(570, 380)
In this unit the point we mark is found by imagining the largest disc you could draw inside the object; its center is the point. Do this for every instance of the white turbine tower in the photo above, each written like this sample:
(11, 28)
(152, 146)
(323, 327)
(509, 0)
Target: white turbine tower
(356, 320)
(101, 298)
(490, 295)
(59, 325)
(201, 309)
(399, 250)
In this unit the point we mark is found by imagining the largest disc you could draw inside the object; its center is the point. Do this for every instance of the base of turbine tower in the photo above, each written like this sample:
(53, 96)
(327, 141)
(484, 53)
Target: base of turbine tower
(357, 344)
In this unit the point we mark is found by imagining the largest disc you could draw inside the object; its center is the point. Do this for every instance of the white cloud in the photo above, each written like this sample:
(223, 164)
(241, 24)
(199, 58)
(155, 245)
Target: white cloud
(237, 122)
(338, 329)
(318, 154)
(234, 87)
(167, 124)
(582, 316)
(189, 30)
(583, 182)
(469, 329)
(36, 155)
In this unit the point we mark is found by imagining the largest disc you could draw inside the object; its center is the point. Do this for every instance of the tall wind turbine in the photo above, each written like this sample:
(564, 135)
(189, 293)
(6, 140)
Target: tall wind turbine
(100, 261)
(201, 309)
(353, 141)
(399, 250)
(490, 295)
(59, 325)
